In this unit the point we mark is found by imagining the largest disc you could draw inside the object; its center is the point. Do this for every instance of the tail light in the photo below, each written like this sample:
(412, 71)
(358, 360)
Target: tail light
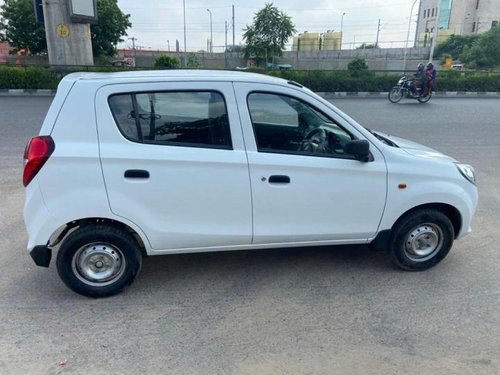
(37, 152)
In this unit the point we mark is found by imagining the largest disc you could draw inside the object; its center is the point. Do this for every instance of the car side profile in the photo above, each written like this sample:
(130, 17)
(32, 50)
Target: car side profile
(136, 164)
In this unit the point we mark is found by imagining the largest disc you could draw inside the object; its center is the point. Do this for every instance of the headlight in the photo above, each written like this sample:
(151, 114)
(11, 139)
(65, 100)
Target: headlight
(467, 171)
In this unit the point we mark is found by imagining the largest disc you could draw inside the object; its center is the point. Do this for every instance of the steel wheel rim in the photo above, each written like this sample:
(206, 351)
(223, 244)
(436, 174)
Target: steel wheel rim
(98, 264)
(423, 242)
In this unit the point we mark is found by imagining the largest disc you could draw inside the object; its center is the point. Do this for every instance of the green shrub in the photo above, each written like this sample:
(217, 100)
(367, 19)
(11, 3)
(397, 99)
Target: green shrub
(27, 78)
(339, 80)
(358, 68)
(316, 80)
(193, 62)
(166, 62)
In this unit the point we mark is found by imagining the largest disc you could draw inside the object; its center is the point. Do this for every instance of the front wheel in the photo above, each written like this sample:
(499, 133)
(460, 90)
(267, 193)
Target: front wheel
(421, 239)
(396, 94)
(98, 260)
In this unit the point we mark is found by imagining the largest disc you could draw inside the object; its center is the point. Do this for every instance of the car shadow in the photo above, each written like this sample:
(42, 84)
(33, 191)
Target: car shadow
(285, 266)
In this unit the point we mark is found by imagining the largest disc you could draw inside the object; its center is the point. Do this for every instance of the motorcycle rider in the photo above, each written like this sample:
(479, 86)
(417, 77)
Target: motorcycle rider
(430, 73)
(421, 76)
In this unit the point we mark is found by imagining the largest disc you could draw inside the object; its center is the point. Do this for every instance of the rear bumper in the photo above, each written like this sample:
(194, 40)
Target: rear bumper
(41, 255)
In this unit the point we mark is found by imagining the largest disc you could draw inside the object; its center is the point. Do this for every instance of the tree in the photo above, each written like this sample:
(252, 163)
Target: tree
(266, 37)
(485, 51)
(19, 28)
(455, 45)
(112, 25)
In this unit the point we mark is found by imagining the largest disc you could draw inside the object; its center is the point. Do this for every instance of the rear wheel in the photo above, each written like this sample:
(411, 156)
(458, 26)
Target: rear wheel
(98, 260)
(421, 239)
(424, 99)
(395, 95)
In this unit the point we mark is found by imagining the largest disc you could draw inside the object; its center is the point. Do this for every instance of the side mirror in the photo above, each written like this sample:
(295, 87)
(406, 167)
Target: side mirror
(360, 149)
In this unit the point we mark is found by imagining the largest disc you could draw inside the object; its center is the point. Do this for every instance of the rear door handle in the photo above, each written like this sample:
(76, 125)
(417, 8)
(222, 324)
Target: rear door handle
(279, 179)
(136, 173)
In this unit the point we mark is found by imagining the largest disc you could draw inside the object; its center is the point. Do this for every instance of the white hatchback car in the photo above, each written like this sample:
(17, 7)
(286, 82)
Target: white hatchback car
(162, 162)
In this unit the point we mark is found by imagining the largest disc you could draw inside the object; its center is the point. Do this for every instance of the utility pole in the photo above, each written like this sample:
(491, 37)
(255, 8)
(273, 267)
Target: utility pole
(133, 39)
(225, 43)
(68, 43)
(378, 33)
(225, 36)
(233, 30)
(211, 33)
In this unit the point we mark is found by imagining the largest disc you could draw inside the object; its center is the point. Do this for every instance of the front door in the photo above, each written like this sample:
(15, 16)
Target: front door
(305, 188)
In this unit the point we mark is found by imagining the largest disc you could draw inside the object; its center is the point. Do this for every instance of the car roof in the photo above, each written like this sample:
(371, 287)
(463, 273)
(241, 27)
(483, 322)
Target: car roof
(175, 75)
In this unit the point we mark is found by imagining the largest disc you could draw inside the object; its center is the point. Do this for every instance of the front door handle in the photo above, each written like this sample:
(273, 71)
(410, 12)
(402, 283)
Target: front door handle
(136, 173)
(279, 179)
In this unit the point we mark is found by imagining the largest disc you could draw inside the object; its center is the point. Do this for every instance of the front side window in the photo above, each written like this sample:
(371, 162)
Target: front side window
(283, 124)
(190, 118)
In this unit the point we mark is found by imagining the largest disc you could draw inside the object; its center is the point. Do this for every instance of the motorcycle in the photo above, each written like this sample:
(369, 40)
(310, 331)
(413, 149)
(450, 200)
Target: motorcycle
(407, 88)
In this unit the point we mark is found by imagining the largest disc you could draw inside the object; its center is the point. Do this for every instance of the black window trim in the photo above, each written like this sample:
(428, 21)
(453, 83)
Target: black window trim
(271, 151)
(170, 143)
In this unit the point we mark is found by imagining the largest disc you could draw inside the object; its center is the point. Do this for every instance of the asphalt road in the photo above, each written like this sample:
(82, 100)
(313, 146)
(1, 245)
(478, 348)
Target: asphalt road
(291, 311)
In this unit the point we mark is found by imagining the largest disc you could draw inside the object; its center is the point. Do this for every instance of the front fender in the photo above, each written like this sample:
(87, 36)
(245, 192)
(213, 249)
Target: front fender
(462, 196)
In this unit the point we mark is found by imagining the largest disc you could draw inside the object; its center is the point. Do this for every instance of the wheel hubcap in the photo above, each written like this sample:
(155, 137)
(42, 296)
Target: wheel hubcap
(423, 242)
(98, 264)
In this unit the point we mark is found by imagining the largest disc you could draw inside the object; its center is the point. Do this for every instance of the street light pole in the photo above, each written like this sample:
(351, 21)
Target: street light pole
(341, 28)
(435, 33)
(378, 33)
(408, 36)
(211, 35)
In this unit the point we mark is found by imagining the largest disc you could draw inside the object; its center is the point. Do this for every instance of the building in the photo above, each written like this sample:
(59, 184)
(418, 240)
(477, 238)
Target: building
(458, 17)
(307, 41)
(4, 52)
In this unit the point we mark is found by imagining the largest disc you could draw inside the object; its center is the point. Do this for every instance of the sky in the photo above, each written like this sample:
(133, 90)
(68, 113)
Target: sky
(157, 24)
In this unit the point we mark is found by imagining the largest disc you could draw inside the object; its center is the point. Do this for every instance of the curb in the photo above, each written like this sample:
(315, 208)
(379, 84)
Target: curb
(439, 94)
(326, 95)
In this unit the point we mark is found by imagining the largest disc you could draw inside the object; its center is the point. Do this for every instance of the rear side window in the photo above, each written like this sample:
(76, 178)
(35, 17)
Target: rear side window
(190, 118)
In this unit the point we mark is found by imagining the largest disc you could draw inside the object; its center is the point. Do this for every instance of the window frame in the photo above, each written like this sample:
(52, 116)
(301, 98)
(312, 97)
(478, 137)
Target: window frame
(295, 153)
(133, 94)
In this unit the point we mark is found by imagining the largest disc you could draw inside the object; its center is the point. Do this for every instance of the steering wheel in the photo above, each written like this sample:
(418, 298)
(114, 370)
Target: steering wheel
(314, 141)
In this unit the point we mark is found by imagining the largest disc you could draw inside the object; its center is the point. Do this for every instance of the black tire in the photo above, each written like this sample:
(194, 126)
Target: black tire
(98, 260)
(421, 239)
(424, 99)
(395, 95)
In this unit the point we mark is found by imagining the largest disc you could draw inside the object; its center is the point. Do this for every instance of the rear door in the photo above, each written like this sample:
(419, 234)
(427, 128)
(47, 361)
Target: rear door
(174, 163)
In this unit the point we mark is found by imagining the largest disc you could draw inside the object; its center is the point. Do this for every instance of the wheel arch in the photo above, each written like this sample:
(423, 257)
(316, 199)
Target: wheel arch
(451, 212)
(382, 239)
(63, 231)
